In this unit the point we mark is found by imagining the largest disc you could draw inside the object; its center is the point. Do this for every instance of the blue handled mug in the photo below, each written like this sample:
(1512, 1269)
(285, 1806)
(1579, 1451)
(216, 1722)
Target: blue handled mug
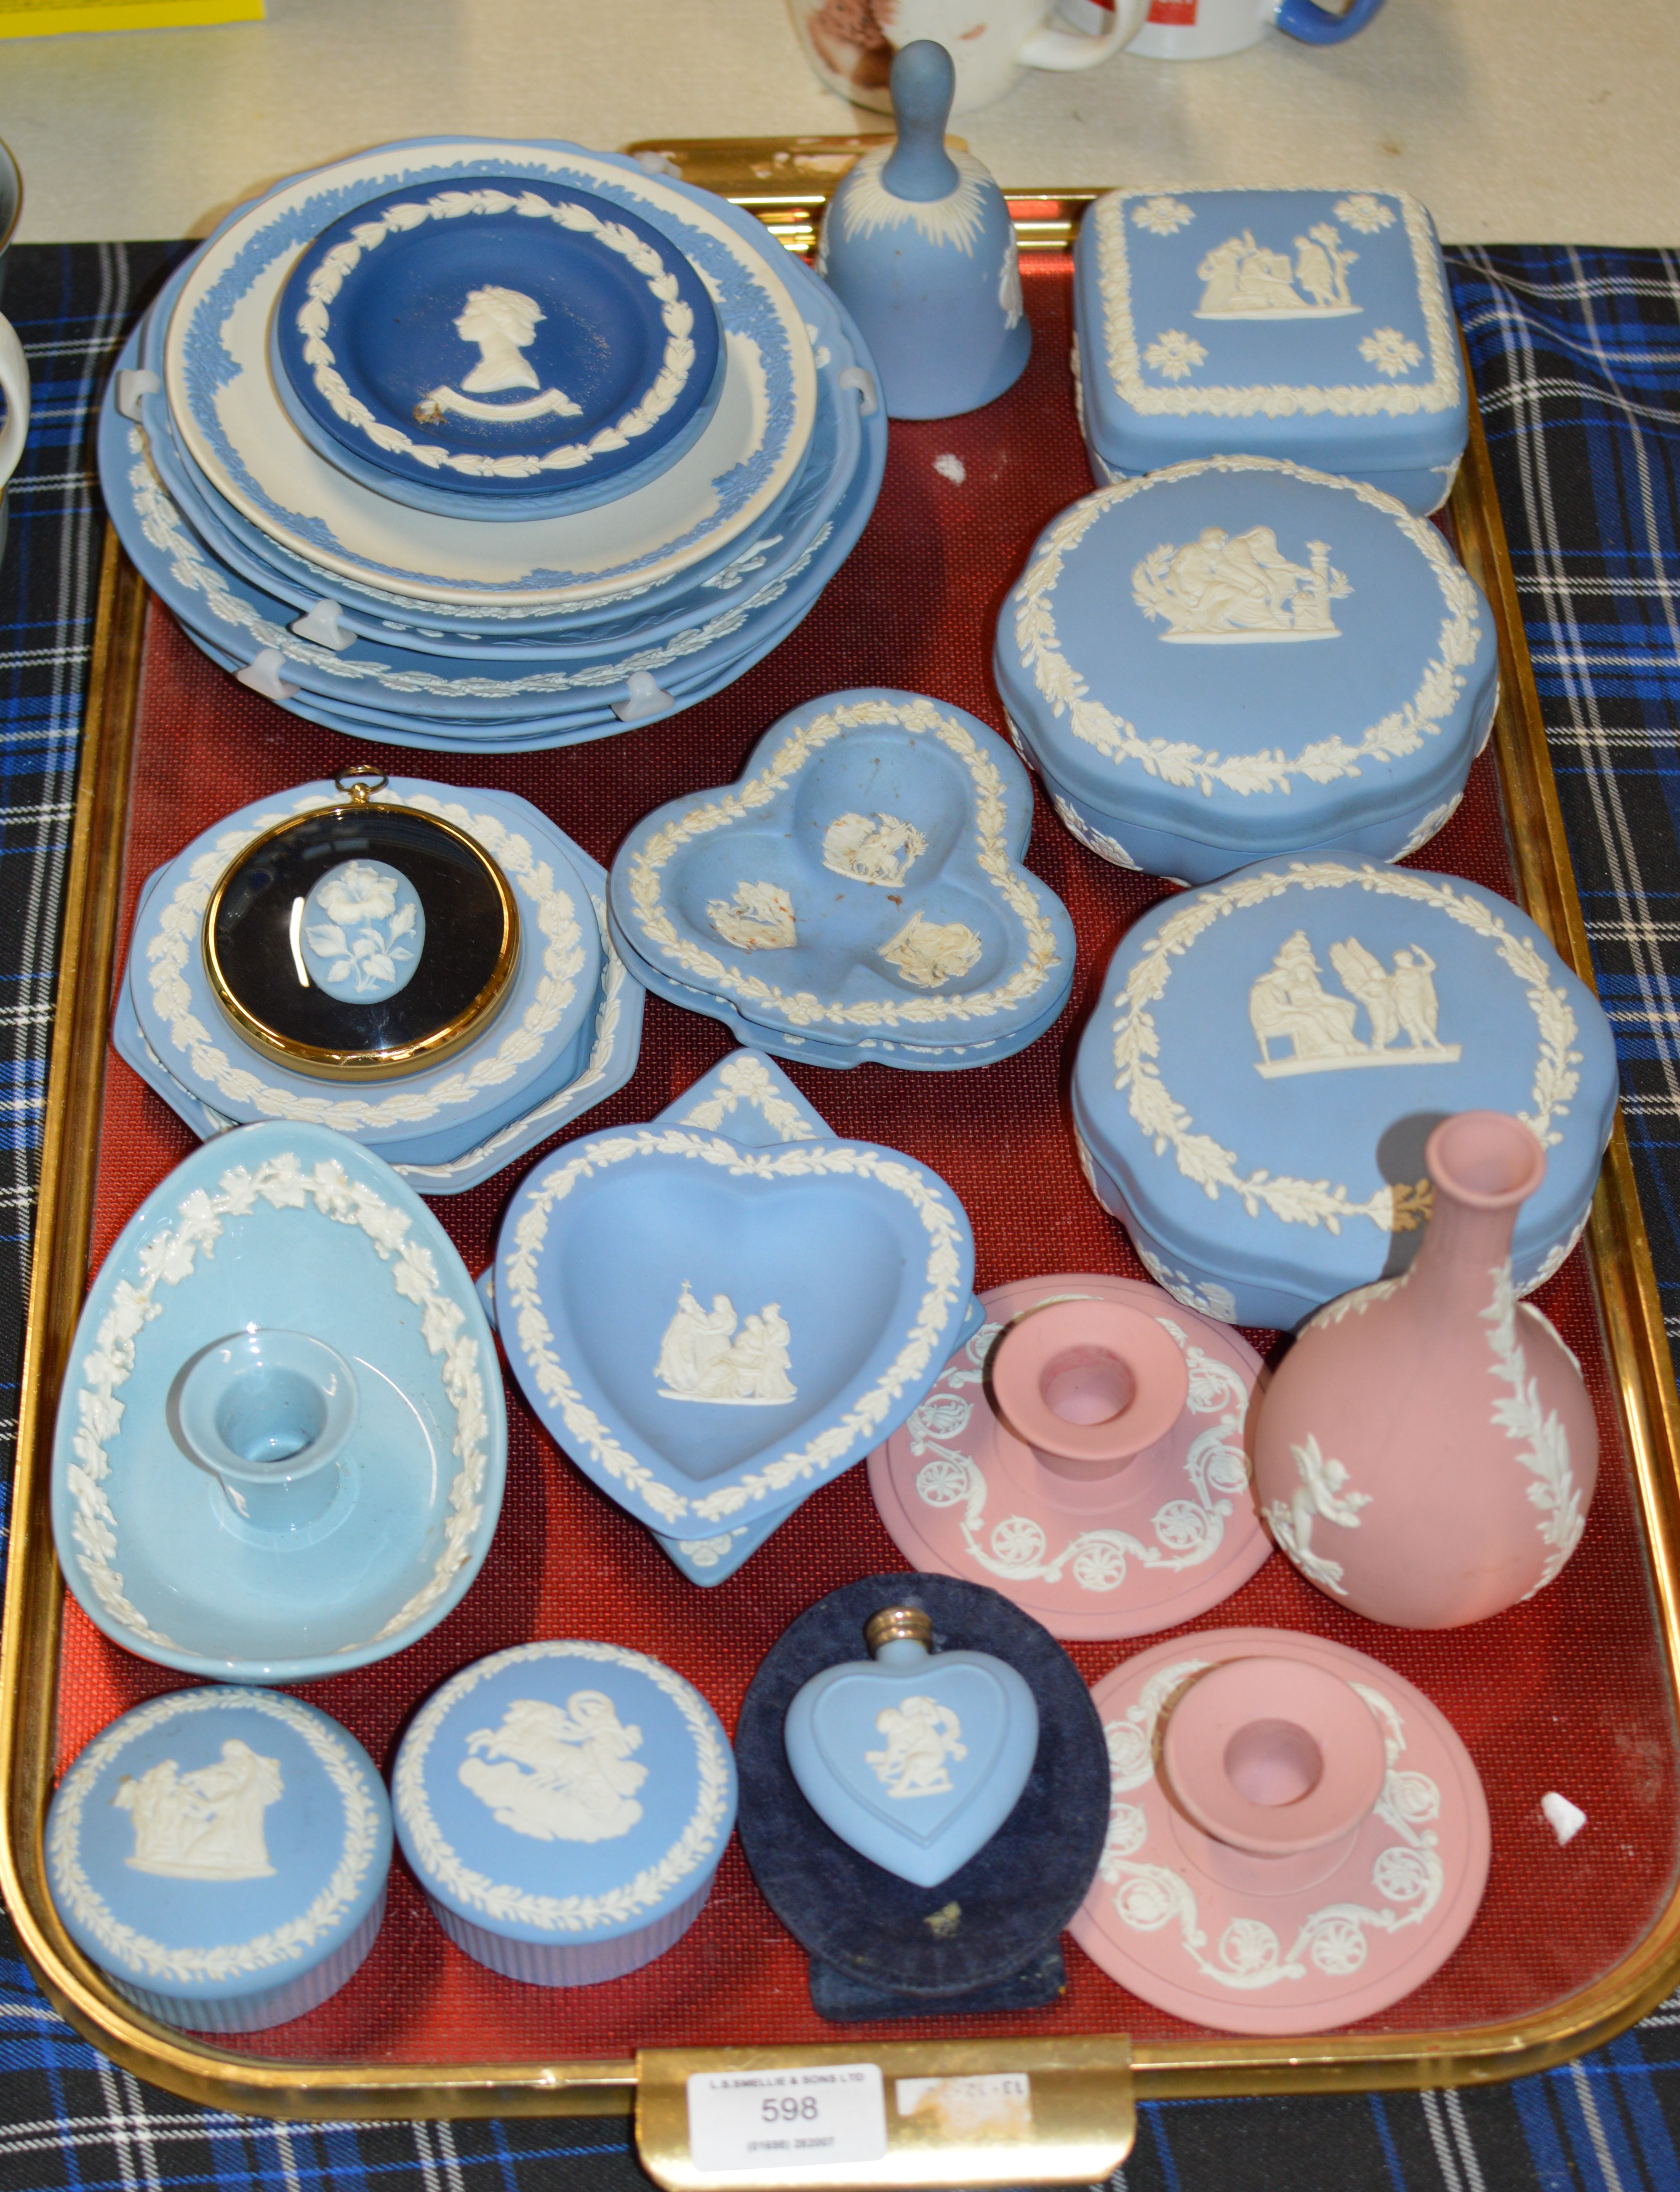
(1202, 30)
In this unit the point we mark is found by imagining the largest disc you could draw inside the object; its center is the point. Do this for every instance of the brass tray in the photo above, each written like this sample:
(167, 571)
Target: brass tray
(1083, 2088)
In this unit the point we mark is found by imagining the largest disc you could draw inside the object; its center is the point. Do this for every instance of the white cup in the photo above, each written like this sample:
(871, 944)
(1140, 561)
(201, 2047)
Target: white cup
(1202, 30)
(14, 387)
(850, 44)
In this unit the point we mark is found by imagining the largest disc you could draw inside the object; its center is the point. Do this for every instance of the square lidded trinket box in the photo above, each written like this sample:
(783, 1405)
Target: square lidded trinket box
(1313, 325)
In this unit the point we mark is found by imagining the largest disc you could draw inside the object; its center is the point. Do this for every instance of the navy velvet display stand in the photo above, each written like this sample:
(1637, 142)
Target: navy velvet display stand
(985, 1938)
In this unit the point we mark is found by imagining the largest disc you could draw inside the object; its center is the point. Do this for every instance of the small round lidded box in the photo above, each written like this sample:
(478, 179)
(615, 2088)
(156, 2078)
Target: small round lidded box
(1240, 656)
(565, 1805)
(1310, 324)
(1272, 1052)
(222, 1854)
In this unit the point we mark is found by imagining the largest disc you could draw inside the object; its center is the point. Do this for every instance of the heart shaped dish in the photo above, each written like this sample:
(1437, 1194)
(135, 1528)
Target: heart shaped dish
(715, 1312)
(861, 882)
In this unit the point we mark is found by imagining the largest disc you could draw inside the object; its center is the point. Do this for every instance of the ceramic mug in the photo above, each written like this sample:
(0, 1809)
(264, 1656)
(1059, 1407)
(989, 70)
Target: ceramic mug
(850, 44)
(14, 387)
(1202, 30)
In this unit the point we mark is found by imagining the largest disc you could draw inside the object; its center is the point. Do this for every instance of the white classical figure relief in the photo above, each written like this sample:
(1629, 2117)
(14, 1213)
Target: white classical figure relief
(1289, 1004)
(1323, 1492)
(1246, 281)
(502, 323)
(929, 952)
(760, 919)
(921, 1735)
(1225, 590)
(872, 849)
(558, 1775)
(206, 1824)
(703, 1357)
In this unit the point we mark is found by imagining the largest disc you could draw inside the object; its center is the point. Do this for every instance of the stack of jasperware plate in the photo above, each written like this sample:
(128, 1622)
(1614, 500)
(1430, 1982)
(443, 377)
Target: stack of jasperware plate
(271, 977)
(479, 445)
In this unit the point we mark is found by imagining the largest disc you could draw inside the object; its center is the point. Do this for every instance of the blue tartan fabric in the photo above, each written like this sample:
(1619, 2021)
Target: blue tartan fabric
(1577, 355)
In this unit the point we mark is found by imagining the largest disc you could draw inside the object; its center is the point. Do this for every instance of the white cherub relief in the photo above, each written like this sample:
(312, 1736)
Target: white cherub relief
(1245, 281)
(881, 850)
(503, 324)
(581, 1782)
(929, 952)
(703, 1358)
(1224, 588)
(1289, 1002)
(761, 919)
(206, 1824)
(921, 1735)
(1322, 1491)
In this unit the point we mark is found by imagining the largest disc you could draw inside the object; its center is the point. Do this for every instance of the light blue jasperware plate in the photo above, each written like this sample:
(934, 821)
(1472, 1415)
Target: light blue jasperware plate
(222, 399)
(294, 1228)
(735, 575)
(862, 879)
(666, 1316)
(540, 1038)
(475, 1149)
(481, 349)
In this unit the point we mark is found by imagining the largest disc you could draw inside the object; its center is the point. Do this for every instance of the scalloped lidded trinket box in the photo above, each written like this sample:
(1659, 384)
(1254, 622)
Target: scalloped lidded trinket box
(221, 1854)
(1270, 1055)
(1315, 325)
(1236, 657)
(564, 1805)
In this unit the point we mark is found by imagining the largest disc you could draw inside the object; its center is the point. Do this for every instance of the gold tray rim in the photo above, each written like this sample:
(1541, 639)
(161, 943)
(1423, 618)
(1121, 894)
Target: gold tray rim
(1636, 1343)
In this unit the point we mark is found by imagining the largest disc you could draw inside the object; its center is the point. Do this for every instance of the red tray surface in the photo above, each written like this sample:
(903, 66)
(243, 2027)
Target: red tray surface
(1567, 1693)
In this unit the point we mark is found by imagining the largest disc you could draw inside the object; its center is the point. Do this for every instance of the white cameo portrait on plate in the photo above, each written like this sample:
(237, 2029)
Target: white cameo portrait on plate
(502, 325)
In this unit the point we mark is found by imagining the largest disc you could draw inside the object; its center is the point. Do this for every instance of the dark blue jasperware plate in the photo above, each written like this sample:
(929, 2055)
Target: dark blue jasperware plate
(493, 344)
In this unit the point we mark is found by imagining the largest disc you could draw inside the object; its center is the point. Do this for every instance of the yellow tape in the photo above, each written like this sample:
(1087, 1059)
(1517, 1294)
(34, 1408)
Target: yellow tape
(45, 19)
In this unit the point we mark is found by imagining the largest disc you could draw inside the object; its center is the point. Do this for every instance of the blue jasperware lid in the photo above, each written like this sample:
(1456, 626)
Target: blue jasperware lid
(1247, 654)
(1272, 1051)
(506, 337)
(565, 1793)
(1315, 324)
(214, 1844)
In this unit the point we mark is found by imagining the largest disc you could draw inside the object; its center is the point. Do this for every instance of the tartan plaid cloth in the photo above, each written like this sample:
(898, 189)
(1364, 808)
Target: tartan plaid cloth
(1577, 355)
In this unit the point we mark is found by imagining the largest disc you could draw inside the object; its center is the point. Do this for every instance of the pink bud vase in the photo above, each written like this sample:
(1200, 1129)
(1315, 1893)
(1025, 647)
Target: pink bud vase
(1427, 1453)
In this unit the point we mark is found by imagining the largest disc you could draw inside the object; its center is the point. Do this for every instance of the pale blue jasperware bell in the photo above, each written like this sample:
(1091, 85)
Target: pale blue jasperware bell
(919, 247)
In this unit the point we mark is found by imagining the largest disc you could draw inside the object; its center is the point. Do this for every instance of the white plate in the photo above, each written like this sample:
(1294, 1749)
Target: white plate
(231, 422)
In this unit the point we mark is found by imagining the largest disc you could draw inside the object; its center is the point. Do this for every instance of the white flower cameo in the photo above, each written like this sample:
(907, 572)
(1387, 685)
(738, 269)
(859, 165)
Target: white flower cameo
(558, 1775)
(921, 1735)
(206, 1824)
(1174, 354)
(359, 934)
(1162, 216)
(1390, 351)
(703, 1358)
(1365, 213)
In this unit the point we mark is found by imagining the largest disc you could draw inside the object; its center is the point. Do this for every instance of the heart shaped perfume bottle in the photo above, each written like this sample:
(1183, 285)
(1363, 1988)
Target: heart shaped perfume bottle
(914, 1758)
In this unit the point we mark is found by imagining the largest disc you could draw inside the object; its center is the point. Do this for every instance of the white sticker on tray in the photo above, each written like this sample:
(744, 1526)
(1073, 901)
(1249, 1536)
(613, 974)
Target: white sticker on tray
(786, 2119)
(997, 2106)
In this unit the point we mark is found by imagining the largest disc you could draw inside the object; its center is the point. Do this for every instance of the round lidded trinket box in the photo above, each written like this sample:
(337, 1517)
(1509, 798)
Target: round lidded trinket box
(1310, 324)
(221, 1854)
(1254, 1093)
(565, 1805)
(1239, 657)
(315, 938)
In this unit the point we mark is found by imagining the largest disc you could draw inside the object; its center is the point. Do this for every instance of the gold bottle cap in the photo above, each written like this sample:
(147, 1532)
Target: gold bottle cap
(898, 1624)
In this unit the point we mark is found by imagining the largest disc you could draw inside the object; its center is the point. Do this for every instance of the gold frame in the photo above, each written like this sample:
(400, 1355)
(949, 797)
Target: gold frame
(365, 1065)
(1638, 1352)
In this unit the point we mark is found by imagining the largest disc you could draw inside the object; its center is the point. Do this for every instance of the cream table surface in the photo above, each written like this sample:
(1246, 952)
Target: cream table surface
(1516, 120)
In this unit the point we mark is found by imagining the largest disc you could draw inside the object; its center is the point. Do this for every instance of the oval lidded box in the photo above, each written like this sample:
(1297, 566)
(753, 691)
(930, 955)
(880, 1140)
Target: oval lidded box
(221, 1854)
(565, 1804)
(1310, 324)
(1270, 1053)
(1239, 656)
